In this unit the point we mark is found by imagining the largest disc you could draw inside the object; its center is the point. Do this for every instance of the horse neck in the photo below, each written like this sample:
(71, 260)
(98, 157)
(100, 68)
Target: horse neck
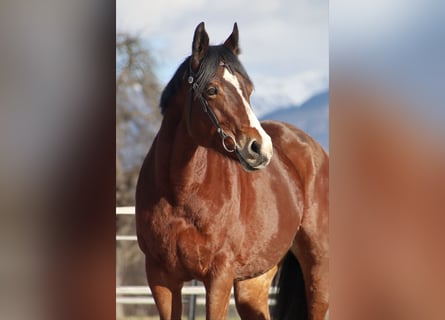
(179, 159)
(172, 134)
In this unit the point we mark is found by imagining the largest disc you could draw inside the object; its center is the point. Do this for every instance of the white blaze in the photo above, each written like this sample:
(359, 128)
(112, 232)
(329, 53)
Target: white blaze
(266, 144)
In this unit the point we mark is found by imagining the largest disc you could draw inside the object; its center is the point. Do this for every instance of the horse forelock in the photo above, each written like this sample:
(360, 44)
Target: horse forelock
(207, 70)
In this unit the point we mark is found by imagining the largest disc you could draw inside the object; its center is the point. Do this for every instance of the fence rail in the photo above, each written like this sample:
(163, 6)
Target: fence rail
(142, 294)
(125, 210)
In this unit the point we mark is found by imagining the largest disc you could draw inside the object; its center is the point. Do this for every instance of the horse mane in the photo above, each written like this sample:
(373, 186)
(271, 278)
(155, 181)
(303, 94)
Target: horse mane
(207, 70)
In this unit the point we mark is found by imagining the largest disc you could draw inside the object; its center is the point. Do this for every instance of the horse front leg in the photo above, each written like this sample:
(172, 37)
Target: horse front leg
(218, 284)
(166, 291)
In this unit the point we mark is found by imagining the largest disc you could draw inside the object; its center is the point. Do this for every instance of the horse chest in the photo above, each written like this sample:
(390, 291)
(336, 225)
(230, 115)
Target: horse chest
(188, 236)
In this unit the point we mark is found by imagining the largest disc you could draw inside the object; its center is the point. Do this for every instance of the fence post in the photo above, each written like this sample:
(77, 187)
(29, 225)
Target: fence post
(192, 303)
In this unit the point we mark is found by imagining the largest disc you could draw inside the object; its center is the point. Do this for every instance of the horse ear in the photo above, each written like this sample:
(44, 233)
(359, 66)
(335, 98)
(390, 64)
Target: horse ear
(199, 46)
(232, 41)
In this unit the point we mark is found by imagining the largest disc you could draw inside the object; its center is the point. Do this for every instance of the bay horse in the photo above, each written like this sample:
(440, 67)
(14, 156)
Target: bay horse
(223, 198)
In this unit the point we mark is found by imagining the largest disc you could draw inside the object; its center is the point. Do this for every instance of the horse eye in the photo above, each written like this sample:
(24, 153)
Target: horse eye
(212, 91)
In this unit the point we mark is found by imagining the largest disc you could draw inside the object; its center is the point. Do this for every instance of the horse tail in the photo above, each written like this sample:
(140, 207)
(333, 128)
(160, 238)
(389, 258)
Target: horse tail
(291, 298)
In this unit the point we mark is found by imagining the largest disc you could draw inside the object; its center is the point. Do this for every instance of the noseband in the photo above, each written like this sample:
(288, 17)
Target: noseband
(192, 81)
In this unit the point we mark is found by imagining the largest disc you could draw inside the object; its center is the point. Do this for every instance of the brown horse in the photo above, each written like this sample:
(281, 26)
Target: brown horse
(222, 198)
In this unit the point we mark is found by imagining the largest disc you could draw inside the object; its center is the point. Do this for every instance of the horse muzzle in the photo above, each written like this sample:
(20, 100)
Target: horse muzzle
(255, 155)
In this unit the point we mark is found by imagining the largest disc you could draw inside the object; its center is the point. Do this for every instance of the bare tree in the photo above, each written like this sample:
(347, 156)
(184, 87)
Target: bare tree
(137, 113)
(137, 121)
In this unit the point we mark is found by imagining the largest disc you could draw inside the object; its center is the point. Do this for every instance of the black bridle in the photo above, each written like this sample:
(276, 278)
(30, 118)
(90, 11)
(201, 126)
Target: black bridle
(192, 81)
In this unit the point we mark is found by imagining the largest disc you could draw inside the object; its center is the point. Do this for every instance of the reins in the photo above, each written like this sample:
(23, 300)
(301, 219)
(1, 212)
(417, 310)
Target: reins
(192, 81)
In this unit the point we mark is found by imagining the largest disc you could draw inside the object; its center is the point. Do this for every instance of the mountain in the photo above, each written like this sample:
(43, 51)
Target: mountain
(292, 90)
(312, 116)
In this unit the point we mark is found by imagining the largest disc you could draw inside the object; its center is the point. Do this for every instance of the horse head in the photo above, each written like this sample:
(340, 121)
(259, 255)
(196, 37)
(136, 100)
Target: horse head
(219, 91)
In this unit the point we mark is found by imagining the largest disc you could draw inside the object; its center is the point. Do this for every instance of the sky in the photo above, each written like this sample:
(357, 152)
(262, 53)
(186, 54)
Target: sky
(284, 43)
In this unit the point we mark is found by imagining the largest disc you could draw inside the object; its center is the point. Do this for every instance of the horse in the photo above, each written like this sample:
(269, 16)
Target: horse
(225, 199)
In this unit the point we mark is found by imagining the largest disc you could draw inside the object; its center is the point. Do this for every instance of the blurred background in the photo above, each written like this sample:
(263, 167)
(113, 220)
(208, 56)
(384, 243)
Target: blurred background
(387, 169)
(284, 48)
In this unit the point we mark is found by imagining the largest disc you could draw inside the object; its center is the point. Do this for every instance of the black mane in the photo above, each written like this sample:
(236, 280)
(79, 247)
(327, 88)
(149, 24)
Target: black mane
(207, 70)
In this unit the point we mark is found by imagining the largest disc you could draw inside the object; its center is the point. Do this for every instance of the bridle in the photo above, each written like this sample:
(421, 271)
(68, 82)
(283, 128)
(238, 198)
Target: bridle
(192, 81)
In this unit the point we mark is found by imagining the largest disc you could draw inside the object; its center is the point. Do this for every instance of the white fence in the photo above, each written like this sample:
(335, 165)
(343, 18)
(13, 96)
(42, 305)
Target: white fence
(125, 211)
(142, 294)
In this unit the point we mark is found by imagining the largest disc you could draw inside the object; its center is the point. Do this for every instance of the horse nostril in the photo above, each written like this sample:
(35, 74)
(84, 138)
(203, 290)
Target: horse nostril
(255, 147)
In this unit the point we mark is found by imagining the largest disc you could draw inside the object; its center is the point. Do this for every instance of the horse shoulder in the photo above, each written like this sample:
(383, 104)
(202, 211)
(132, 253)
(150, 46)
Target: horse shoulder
(306, 155)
